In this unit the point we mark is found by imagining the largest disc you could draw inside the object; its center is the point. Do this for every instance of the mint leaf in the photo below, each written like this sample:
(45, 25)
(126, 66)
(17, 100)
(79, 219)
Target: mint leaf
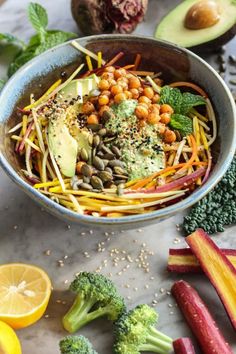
(180, 102)
(7, 38)
(52, 39)
(38, 17)
(181, 123)
(2, 83)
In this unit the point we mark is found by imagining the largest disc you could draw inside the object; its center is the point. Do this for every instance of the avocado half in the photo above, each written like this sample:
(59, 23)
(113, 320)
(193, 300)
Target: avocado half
(172, 29)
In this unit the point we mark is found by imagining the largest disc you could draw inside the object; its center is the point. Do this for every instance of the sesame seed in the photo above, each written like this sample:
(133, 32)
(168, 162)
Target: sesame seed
(46, 316)
(47, 252)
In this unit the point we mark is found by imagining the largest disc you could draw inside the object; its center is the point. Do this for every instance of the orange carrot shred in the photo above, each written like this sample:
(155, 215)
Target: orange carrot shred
(190, 84)
(137, 61)
(115, 59)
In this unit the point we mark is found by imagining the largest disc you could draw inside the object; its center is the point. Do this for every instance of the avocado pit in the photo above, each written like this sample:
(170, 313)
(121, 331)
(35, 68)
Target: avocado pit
(203, 14)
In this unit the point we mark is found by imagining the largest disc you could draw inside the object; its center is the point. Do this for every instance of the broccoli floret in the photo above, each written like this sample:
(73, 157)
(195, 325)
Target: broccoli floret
(96, 297)
(135, 333)
(217, 209)
(76, 345)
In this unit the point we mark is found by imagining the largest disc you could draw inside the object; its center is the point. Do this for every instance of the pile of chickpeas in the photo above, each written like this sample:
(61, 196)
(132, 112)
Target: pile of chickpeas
(117, 85)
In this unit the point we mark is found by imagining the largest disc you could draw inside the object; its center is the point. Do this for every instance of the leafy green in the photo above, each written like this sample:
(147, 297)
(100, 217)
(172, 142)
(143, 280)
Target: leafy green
(180, 102)
(38, 17)
(43, 40)
(2, 83)
(181, 123)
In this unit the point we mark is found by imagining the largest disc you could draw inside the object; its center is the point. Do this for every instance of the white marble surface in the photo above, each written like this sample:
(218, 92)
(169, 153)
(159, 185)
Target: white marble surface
(27, 232)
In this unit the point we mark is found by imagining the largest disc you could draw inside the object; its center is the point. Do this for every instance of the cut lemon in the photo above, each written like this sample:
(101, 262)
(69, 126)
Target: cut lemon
(9, 342)
(24, 294)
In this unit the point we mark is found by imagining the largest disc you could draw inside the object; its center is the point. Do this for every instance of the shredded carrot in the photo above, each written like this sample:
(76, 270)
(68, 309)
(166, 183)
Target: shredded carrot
(27, 133)
(142, 73)
(189, 84)
(115, 59)
(194, 154)
(89, 63)
(137, 61)
(203, 137)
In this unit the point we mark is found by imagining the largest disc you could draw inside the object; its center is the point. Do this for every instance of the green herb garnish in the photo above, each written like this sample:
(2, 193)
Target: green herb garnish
(181, 104)
(43, 40)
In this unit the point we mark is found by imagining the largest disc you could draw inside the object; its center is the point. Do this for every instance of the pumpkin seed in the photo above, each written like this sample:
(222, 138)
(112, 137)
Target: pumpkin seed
(114, 163)
(98, 163)
(119, 170)
(96, 140)
(108, 169)
(86, 186)
(121, 177)
(96, 182)
(108, 156)
(102, 132)
(105, 176)
(75, 183)
(86, 170)
(106, 150)
(94, 127)
(100, 154)
(116, 151)
(90, 139)
(84, 154)
(86, 179)
(94, 152)
(109, 184)
(105, 162)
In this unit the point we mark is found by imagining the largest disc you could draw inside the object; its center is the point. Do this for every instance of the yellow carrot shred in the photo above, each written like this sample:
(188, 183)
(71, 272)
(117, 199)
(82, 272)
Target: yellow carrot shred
(89, 63)
(99, 59)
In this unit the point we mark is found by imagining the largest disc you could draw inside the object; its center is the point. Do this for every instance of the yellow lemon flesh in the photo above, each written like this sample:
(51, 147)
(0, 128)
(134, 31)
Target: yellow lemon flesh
(9, 342)
(24, 294)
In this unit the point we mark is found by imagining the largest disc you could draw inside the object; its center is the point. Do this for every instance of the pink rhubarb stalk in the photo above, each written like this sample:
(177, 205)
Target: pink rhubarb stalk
(183, 346)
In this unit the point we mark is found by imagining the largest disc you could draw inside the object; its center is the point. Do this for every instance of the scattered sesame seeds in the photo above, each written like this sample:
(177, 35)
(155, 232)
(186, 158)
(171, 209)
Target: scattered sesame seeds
(15, 227)
(68, 227)
(47, 252)
(46, 316)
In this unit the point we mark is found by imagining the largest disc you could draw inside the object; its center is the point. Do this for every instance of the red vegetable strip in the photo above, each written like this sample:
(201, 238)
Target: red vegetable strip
(183, 346)
(190, 84)
(217, 268)
(208, 167)
(127, 67)
(199, 319)
(142, 73)
(137, 61)
(115, 59)
(183, 260)
(22, 144)
(23, 111)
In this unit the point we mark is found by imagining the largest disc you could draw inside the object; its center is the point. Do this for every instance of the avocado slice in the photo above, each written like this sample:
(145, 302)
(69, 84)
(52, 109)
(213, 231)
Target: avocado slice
(65, 138)
(62, 145)
(172, 27)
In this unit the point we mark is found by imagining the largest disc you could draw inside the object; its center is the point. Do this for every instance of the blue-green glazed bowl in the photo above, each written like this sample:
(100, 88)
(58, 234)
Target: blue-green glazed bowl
(175, 63)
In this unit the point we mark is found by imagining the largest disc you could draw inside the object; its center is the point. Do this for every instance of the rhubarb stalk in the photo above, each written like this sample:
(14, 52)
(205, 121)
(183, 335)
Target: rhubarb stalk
(199, 319)
(183, 260)
(183, 346)
(217, 268)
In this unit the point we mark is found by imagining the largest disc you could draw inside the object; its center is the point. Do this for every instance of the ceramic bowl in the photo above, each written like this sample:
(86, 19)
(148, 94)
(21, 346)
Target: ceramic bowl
(175, 63)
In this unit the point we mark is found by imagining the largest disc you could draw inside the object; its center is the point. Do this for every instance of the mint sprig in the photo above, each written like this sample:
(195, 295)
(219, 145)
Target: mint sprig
(181, 104)
(43, 40)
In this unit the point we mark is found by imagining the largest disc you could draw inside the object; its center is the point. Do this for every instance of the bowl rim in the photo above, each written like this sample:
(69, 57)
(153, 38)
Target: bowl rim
(59, 210)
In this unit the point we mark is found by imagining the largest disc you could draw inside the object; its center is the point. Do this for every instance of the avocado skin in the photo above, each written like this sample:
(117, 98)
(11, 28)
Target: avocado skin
(215, 44)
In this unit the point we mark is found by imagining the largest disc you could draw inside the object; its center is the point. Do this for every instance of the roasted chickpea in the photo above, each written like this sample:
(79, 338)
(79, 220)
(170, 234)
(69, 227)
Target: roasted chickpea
(112, 82)
(156, 98)
(111, 102)
(154, 108)
(119, 73)
(103, 100)
(104, 85)
(119, 97)
(106, 93)
(123, 84)
(158, 81)
(148, 92)
(92, 119)
(134, 82)
(169, 136)
(166, 108)
(135, 93)
(116, 89)
(123, 79)
(79, 166)
(110, 69)
(144, 99)
(161, 128)
(165, 118)
(88, 107)
(153, 118)
(103, 109)
(128, 94)
(141, 112)
(107, 76)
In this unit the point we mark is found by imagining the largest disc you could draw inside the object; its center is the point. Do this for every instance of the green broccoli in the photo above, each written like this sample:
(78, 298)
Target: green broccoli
(96, 296)
(135, 332)
(76, 345)
(217, 209)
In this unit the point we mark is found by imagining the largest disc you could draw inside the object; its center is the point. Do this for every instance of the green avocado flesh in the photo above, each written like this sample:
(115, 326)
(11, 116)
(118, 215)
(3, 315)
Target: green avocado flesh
(141, 149)
(65, 138)
(172, 28)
